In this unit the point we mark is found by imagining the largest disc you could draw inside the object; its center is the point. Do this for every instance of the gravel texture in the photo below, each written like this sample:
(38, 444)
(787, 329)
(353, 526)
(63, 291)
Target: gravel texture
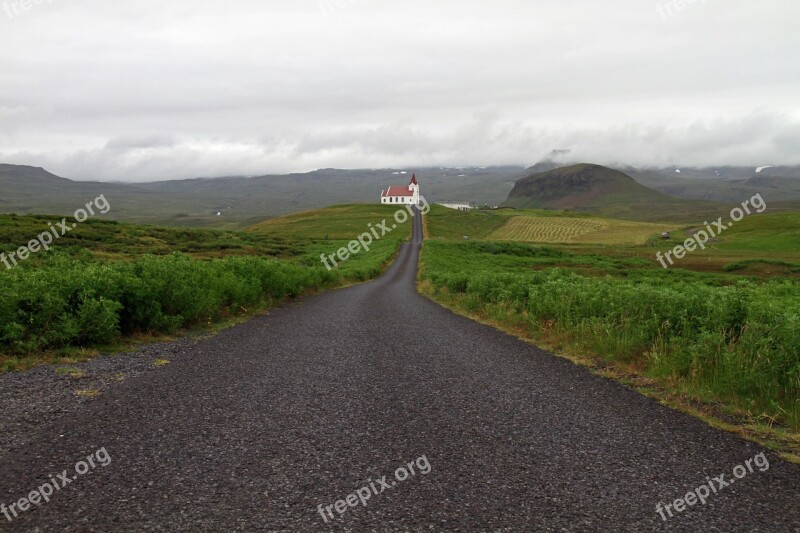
(252, 429)
(30, 400)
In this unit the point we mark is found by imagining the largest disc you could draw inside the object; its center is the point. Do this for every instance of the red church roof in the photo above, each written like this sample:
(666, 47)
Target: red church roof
(397, 190)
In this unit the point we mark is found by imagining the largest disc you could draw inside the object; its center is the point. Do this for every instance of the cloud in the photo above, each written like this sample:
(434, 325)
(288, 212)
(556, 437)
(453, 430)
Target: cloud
(483, 140)
(153, 90)
(130, 142)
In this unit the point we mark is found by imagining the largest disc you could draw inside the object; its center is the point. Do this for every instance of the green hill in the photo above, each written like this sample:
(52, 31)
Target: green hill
(336, 222)
(31, 190)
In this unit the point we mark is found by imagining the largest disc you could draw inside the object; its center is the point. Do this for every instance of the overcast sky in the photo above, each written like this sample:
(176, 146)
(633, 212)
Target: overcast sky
(144, 90)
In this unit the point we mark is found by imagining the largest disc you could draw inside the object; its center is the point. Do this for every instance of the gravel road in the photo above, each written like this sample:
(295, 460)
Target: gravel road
(266, 426)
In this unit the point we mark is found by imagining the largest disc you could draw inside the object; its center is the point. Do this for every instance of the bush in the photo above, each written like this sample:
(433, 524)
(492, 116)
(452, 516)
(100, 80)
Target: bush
(738, 339)
(74, 303)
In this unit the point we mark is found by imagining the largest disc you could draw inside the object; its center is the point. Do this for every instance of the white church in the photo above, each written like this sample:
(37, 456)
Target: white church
(400, 195)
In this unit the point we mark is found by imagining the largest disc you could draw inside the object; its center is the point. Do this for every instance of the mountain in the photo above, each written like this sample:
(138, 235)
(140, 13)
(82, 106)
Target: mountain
(28, 190)
(723, 184)
(601, 190)
(240, 201)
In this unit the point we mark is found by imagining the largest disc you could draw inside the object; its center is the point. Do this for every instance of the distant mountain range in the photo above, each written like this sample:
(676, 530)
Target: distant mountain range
(239, 201)
(242, 200)
(714, 184)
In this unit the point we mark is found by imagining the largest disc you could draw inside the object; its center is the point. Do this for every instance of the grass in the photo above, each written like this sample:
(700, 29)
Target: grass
(342, 222)
(727, 417)
(106, 284)
(325, 231)
(716, 334)
(773, 234)
(719, 327)
(760, 245)
(720, 337)
(74, 373)
(111, 241)
(449, 224)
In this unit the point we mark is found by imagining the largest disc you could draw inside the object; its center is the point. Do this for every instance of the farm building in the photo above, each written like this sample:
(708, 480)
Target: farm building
(460, 206)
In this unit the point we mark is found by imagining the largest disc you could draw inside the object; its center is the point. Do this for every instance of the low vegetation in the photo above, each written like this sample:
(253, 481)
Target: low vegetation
(343, 222)
(762, 245)
(104, 281)
(109, 240)
(722, 337)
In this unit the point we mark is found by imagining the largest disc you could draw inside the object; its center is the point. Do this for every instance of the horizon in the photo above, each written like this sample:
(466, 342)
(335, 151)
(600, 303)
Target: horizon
(757, 169)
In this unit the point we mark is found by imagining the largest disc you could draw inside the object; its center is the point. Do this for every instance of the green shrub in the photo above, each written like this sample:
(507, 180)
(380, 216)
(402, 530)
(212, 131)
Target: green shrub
(740, 339)
(75, 303)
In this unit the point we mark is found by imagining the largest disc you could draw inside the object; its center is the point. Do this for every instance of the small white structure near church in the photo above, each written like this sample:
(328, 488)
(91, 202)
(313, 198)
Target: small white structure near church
(400, 195)
(460, 206)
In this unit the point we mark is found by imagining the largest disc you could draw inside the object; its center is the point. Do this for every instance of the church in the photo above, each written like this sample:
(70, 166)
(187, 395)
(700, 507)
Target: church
(398, 194)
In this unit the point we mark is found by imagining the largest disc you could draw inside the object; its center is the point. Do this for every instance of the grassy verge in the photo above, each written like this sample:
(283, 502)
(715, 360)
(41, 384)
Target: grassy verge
(106, 286)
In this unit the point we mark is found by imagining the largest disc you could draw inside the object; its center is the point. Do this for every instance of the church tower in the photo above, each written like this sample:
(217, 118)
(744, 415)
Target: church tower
(413, 186)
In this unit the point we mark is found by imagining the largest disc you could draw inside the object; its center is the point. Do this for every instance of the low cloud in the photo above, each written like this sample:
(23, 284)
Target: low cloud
(151, 90)
(485, 140)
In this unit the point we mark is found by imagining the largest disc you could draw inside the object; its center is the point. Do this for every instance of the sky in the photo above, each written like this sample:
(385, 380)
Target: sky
(150, 90)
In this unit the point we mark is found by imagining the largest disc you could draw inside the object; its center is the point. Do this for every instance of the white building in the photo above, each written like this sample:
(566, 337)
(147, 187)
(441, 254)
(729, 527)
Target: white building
(460, 206)
(399, 195)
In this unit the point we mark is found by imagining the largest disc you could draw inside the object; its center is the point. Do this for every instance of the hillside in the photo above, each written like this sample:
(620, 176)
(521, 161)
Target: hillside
(32, 190)
(728, 185)
(601, 190)
(337, 222)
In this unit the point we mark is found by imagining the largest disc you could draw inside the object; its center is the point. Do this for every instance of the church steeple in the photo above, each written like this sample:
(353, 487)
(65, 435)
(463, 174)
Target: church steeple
(414, 180)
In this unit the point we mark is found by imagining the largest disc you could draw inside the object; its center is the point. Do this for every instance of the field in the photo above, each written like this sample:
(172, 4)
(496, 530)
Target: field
(540, 226)
(539, 229)
(762, 245)
(105, 282)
